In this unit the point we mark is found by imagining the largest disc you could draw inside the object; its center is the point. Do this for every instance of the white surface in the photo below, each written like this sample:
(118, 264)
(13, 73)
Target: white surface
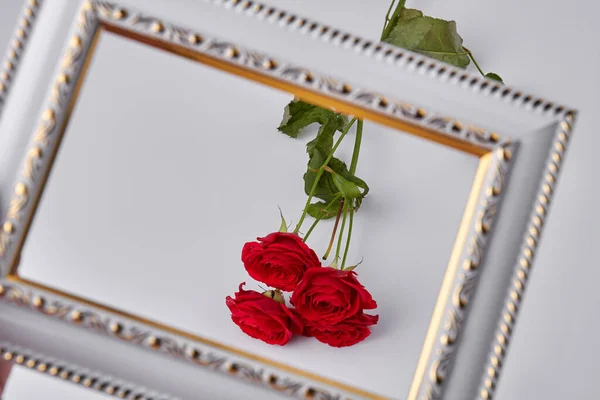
(151, 198)
(557, 318)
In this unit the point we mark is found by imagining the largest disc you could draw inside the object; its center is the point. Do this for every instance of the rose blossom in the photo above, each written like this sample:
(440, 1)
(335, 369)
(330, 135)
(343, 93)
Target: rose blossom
(346, 333)
(279, 260)
(263, 317)
(327, 296)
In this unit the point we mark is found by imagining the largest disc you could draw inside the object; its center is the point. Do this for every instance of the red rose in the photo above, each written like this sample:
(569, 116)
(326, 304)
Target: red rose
(327, 296)
(279, 260)
(262, 317)
(343, 334)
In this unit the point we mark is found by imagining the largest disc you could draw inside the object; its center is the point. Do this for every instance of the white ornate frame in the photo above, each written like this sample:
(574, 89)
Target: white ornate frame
(497, 153)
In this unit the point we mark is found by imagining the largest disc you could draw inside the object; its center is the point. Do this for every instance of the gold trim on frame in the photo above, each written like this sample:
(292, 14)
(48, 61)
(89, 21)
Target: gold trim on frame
(444, 293)
(75, 317)
(301, 92)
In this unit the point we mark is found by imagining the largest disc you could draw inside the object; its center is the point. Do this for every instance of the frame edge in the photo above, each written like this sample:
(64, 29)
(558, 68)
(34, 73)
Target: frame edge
(17, 47)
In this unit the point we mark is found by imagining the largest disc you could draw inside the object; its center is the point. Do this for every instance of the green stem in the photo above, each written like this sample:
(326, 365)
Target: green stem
(353, 165)
(349, 235)
(339, 244)
(357, 141)
(388, 28)
(387, 15)
(473, 59)
(320, 172)
(312, 227)
(337, 221)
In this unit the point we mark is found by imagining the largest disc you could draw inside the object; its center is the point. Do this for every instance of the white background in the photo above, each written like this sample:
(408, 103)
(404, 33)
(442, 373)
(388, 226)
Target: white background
(543, 48)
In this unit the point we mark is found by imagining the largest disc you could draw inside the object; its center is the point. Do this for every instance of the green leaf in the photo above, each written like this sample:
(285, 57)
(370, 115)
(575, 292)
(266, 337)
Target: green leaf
(340, 167)
(322, 210)
(327, 188)
(494, 76)
(283, 226)
(318, 149)
(349, 190)
(432, 37)
(298, 115)
(321, 146)
(352, 178)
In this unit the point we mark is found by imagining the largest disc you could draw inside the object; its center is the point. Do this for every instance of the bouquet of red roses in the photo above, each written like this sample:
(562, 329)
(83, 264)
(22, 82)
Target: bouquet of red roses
(329, 301)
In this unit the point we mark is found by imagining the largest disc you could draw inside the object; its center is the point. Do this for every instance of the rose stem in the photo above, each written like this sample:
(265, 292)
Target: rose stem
(339, 244)
(325, 210)
(337, 220)
(473, 58)
(349, 236)
(387, 15)
(390, 22)
(356, 151)
(353, 164)
(320, 172)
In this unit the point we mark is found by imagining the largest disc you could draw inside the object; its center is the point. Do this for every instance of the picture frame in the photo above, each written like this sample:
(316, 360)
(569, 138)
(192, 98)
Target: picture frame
(519, 140)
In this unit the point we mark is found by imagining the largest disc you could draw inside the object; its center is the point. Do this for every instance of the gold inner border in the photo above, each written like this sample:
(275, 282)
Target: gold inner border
(318, 99)
(301, 92)
(451, 270)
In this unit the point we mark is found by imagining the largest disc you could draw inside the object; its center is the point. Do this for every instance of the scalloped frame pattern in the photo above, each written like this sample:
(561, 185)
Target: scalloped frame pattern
(16, 48)
(76, 374)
